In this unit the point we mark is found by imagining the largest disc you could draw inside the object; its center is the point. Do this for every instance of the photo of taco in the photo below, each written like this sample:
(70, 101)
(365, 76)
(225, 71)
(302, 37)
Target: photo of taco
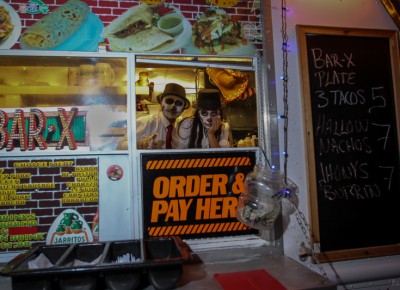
(214, 32)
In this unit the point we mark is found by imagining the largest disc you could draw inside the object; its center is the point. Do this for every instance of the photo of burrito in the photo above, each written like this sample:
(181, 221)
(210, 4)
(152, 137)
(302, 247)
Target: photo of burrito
(133, 21)
(56, 27)
(136, 31)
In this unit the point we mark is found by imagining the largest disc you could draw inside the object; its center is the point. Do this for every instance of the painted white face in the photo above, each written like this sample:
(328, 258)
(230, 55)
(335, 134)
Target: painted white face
(206, 117)
(172, 107)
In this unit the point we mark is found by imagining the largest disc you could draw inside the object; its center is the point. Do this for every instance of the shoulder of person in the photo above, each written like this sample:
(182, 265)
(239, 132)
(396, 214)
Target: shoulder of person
(186, 122)
(146, 118)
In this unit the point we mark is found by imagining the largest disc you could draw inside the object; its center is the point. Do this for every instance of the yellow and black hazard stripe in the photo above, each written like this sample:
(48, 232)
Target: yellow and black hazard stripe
(195, 229)
(198, 163)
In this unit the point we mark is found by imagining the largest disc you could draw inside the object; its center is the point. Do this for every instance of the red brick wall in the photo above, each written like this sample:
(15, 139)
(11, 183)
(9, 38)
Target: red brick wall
(109, 10)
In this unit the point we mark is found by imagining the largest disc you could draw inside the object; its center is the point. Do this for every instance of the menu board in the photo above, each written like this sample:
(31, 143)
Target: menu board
(351, 122)
(47, 200)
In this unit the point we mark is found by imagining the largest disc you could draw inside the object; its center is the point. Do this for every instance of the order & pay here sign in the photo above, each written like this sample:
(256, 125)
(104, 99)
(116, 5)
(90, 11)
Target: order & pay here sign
(194, 195)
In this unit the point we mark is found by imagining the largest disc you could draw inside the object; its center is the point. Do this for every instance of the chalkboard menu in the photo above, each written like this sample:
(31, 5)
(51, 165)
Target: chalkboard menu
(350, 86)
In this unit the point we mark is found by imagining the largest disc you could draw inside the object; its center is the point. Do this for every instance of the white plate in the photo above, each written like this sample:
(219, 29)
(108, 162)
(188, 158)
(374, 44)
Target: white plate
(180, 41)
(241, 50)
(16, 32)
(87, 38)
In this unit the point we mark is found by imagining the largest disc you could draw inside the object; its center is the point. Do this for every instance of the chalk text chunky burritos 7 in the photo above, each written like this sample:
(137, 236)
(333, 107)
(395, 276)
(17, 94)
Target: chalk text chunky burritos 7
(56, 27)
(135, 31)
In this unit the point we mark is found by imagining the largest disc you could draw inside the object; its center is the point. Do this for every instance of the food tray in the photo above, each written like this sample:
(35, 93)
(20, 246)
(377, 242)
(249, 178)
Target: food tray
(110, 265)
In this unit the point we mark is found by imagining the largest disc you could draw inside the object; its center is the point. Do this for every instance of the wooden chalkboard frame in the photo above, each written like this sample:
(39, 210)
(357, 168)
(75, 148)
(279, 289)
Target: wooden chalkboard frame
(304, 31)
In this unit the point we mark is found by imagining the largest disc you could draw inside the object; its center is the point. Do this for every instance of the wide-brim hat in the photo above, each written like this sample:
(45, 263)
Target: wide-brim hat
(208, 99)
(176, 90)
(232, 83)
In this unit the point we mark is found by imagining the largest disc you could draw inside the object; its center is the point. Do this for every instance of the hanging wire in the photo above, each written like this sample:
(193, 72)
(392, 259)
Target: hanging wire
(305, 227)
(285, 86)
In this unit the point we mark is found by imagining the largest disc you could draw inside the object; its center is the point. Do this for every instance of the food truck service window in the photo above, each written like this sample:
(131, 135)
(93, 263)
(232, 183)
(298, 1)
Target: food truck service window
(196, 95)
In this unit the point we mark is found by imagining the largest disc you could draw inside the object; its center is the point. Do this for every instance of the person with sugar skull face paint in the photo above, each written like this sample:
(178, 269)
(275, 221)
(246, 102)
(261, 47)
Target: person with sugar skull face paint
(155, 131)
(206, 128)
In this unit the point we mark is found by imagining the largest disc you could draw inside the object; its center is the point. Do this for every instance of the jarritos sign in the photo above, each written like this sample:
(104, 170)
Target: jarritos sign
(194, 195)
(35, 128)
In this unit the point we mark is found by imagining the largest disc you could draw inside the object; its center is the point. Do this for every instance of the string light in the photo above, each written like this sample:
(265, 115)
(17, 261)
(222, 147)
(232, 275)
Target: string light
(291, 187)
(284, 78)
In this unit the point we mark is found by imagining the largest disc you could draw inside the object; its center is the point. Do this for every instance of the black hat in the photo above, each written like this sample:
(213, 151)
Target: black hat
(208, 99)
(176, 90)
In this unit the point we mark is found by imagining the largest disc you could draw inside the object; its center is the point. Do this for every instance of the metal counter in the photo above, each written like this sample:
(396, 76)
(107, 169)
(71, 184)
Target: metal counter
(199, 274)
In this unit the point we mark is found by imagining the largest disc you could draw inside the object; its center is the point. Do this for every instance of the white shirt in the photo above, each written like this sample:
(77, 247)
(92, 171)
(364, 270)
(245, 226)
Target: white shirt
(155, 123)
(180, 140)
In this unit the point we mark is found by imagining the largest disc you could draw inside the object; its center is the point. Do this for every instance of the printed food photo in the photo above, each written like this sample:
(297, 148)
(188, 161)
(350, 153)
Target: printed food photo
(71, 26)
(10, 26)
(144, 28)
(216, 32)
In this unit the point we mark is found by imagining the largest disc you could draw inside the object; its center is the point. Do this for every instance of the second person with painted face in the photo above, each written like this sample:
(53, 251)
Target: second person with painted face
(205, 128)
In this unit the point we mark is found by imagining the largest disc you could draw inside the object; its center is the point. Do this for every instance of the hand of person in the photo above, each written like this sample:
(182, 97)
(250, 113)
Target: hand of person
(216, 123)
(148, 142)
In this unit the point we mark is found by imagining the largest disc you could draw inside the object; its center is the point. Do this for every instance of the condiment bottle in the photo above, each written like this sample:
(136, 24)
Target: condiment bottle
(73, 76)
(247, 142)
(143, 79)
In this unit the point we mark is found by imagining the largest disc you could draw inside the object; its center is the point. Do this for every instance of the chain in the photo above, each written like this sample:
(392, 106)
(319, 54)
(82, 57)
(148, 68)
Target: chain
(305, 227)
(301, 220)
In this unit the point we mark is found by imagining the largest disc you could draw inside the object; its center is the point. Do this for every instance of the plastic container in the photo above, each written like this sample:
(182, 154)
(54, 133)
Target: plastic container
(112, 265)
(259, 205)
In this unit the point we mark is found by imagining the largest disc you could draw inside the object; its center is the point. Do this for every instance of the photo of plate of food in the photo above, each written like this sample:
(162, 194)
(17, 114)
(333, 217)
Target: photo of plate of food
(143, 28)
(215, 32)
(10, 26)
(70, 27)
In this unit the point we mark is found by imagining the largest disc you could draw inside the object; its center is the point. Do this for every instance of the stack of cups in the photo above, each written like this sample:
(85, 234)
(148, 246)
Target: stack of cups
(105, 74)
(87, 75)
(101, 74)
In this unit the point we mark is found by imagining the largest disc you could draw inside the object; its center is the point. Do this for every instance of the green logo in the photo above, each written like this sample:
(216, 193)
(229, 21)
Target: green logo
(34, 7)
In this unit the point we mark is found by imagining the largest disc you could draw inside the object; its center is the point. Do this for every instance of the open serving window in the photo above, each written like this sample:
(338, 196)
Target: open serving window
(193, 192)
(236, 78)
